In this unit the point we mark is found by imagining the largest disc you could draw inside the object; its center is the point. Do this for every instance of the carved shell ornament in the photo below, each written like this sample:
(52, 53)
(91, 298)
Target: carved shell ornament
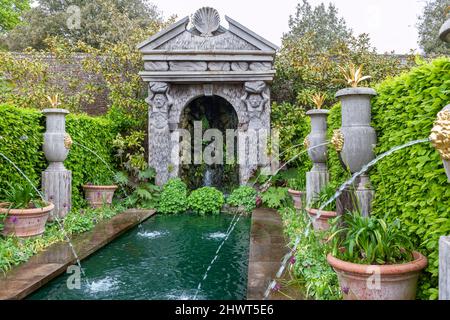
(206, 20)
(440, 134)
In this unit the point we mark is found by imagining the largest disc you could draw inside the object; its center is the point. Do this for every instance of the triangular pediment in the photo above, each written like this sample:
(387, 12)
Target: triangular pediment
(235, 38)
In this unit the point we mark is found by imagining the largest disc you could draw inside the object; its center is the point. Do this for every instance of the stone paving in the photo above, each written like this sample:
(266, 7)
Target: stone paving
(267, 248)
(43, 267)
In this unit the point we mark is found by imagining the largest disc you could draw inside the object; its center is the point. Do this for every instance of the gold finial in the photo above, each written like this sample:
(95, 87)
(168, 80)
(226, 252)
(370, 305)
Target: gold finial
(338, 140)
(54, 101)
(306, 143)
(353, 75)
(440, 134)
(67, 141)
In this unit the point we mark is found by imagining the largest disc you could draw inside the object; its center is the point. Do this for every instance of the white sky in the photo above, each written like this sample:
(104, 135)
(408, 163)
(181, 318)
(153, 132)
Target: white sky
(390, 23)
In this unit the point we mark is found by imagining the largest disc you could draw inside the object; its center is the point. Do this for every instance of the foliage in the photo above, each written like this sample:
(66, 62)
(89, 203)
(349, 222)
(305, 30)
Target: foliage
(173, 197)
(100, 21)
(324, 195)
(318, 100)
(432, 18)
(22, 196)
(411, 184)
(139, 191)
(298, 183)
(275, 197)
(303, 68)
(14, 251)
(370, 240)
(293, 126)
(21, 137)
(324, 24)
(310, 266)
(206, 200)
(243, 196)
(10, 12)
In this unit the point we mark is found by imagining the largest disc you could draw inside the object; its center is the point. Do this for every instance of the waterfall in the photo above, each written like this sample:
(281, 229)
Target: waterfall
(207, 179)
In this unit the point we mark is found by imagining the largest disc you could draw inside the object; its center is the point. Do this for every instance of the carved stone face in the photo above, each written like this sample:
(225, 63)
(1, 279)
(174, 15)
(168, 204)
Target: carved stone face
(254, 100)
(159, 100)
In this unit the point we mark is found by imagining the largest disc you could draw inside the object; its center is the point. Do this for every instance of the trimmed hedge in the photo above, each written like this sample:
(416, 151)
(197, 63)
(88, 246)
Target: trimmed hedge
(21, 138)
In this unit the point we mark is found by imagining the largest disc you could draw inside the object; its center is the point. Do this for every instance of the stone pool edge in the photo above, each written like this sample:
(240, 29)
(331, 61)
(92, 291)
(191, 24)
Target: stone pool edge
(268, 245)
(43, 267)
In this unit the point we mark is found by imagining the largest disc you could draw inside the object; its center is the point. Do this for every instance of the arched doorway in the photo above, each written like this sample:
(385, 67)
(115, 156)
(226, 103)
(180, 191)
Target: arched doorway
(206, 117)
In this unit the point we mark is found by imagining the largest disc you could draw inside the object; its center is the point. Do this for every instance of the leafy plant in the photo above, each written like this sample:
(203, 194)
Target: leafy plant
(243, 196)
(298, 183)
(141, 191)
(325, 194)
(22, 196)
(370, 240)
(206, 200)
(274, 197)
(173, 197)
(353, 75)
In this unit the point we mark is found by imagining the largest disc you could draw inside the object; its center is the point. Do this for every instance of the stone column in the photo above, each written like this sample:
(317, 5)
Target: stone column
(159, 134)
(56, 179)
(444, 268)
(253, 134)
(359, 139)
(318, 177)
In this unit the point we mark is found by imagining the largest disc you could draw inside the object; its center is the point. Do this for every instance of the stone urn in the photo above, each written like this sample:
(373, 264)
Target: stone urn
(378, 282)
(359, 139)
(25, 222)
(318, 177)
(56, 179)
(297, 197)
(99, 196)
(322, 222)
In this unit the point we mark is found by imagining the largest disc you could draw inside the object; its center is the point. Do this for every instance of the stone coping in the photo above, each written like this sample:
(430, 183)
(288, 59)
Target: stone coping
(268, 245)
(52, 262)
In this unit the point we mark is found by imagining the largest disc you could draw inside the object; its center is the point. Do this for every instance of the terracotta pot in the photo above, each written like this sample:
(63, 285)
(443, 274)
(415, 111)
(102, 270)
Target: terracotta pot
(25, 222)
(375, 282)
(297, 198)
(321, 224)
(99, 196)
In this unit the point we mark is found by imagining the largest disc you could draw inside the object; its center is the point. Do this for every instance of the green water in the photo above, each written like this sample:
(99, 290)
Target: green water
(165, 258)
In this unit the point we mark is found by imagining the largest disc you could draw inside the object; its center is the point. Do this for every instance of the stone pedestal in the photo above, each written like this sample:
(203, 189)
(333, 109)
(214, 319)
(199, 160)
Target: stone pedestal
(444, 268)
(346, 202)
(318, 177)
(359, 140)
(315, 181)
(56, 179)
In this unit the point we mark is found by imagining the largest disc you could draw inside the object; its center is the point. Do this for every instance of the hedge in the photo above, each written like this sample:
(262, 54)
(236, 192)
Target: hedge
(411, 184)
(21, 138)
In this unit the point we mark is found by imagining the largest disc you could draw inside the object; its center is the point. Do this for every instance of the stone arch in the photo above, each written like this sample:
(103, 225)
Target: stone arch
(211, 123)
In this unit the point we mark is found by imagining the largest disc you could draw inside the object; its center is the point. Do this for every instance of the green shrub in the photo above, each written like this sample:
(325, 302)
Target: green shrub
(206, 200)
(275, 197)
(174, 197)
(310, 267)
(243, 196)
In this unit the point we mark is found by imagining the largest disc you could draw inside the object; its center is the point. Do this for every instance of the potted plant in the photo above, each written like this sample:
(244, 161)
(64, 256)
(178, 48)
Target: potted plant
(24, 214)
(373, 259)
(322, 217)
(99, 192)
(296, 190)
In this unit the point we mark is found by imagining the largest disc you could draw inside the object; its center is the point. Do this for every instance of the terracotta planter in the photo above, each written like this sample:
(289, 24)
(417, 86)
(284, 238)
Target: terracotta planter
(99, 196)
(374, 282)
(321, 224)
(25, 222)
(297, 198)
